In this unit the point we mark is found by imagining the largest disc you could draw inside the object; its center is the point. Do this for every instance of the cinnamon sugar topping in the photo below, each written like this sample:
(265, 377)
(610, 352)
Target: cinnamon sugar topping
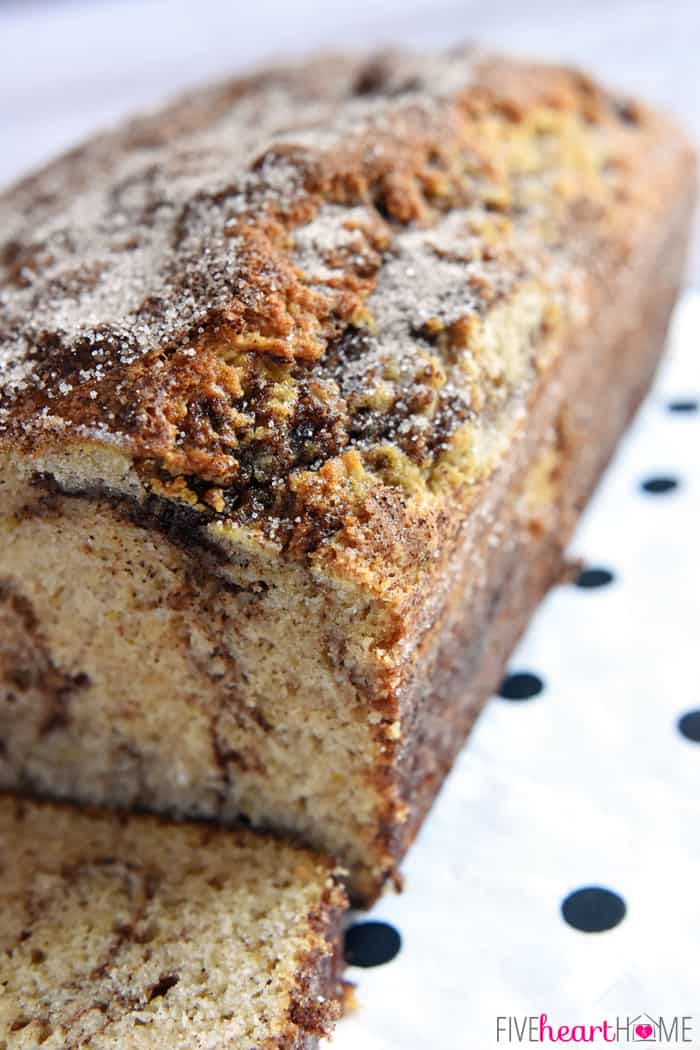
(276, 270)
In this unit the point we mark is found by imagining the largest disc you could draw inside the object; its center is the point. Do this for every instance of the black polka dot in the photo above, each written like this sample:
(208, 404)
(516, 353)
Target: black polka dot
(689, 725)
(590, 578)
(521, 685)
(683, 407)
(593, 909)
(657, 485)
(371, 943)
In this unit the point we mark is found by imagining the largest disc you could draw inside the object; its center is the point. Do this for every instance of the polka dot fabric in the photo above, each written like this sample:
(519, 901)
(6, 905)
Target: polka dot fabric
(558, 871)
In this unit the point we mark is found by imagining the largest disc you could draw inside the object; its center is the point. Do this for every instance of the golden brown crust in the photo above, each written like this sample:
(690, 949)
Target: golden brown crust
(275, 295)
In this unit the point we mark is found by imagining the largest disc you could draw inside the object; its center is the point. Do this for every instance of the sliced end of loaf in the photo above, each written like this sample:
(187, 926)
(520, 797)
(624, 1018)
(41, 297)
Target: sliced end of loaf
(120, 932)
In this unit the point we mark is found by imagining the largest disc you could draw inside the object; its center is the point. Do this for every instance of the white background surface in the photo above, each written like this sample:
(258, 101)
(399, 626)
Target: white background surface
(590, 782)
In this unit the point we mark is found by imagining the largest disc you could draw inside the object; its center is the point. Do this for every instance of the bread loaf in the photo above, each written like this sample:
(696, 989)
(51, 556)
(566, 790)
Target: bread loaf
(306, 379)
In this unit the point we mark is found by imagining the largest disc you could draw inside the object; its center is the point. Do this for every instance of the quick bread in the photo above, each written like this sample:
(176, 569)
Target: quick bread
(306, 379)
(123, 932)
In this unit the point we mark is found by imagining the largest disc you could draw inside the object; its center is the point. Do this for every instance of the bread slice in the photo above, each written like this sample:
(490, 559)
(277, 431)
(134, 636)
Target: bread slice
(124, 932)
(306, 380)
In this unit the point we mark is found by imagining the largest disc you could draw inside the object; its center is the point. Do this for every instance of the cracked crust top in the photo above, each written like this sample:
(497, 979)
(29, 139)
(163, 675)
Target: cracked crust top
(320, 294)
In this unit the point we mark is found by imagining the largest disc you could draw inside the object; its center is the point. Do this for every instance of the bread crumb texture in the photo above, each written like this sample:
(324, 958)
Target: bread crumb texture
(318, 297)
(128, 933)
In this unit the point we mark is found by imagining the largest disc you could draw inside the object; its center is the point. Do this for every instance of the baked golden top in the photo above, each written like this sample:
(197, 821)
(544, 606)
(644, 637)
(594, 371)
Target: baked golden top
(287, 292)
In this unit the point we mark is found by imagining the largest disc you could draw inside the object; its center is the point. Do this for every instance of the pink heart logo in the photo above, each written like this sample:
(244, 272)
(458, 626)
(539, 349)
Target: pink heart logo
(643, 1030)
